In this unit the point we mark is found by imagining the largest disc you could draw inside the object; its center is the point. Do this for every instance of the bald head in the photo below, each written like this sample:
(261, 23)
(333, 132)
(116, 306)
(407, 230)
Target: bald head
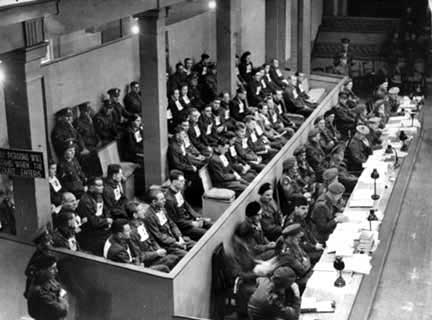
(69, 201)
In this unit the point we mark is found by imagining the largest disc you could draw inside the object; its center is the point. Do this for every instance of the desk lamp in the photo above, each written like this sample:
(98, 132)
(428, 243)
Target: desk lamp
(371, 217)
(403, 138)
(389, 150)
(339, 265)
(375, 176)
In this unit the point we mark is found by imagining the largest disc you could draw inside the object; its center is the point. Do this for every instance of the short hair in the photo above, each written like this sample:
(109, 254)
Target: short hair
(134, 83)
(267, 98)
(92, 180)
(118, 225)
(113, 168)
(249, 118)
(187, 59)
(205, 56)
(175, 174)
(178, 129)
(152, 193)
(134, 116)
(131, 208)
(221, 141)
(178, 64)
(300, 200)
(230, 135)
(192, 110)
(240, 126)
(241, 90)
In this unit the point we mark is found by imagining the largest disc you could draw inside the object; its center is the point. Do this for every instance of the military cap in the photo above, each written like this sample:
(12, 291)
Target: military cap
(65, 112)
(289, 163)
(300, 149)
(105, 97)
(330, 174)
(313, 132)
(345, 40)
(205, 56)
(68, 144)
(329, 113)
(264, 187)
(362, 129)
(44, 261)
(252, 209)
(292, 229)
(336, 188)
(85, 106)
(114, 92)
(343, 95)
(283, 277)
(394, 90)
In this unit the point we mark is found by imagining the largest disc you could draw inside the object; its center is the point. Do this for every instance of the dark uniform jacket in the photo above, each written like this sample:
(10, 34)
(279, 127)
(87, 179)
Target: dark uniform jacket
(181, 213)
(265, 304)
(198, 138)
(106, 126)
(322, 218)
(357, 153)
(87, 131)
(220, 172)
(271, 220)
(132, 102)
(254, 237)
(44, 302)
(114, 199)
(71, 176)
(244, 150)
(63, 132)
(345, 120)
(143, 242)
(208, 87)
(178, 157)
(316, 158)
(277, 77)
(133, 144)
(207, 127)
(96, 230)
(254, 92)
(239, 109)
(178, 109)
(292, 99)
(65, 239)
(161, 226)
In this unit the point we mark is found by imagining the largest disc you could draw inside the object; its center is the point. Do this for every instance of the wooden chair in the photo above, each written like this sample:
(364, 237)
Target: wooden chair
(215, 200)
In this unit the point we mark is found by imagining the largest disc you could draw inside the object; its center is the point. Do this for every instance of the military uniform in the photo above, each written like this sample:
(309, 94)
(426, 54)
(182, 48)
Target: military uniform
(357, 153)
(316, 158)
(71, 177)
(105, 125)
(44, 301)
(345, 120)
(62, 133)
(85, 127)
(132, 102)
(271, 220)
(253, 236)
(323, 218)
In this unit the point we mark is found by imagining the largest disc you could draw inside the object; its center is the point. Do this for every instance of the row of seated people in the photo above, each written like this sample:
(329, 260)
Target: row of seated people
(105, 223)
(272, 252)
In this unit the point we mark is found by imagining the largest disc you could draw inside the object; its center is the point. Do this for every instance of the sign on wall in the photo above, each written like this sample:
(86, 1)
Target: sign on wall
(22, 163)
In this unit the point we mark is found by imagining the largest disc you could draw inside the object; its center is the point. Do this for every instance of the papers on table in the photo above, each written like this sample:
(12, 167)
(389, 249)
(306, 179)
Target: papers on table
(312, 305)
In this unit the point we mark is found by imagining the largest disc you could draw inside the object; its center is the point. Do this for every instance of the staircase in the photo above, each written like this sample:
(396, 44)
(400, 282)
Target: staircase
(367, 36)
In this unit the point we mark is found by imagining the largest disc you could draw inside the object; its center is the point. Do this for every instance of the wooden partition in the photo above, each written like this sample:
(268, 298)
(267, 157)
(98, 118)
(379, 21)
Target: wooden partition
(192, 276)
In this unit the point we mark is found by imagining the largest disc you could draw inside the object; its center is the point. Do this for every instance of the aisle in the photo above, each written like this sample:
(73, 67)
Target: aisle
(405, 288)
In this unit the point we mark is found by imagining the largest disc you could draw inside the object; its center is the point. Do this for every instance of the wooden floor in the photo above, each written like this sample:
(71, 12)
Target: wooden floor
(405, 288)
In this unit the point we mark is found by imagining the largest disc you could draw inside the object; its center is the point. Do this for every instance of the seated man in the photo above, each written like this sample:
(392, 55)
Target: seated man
(207, 126)
(147, 249)
(289, 185)
(344, 176)
(113, 193)
(244, 150)
(308, 242)
(325, 214)
(345, 120)
(91, 207)
(358, 150)
(238, 163)
(222, 172)
(64, 236)
(255, 95)
(196, 158)
(117, 247)
(294, 256)
(251, 232)
(189, 221)
(198, 139)
(132, 147)
(315, 155)
(293, 101)
(239, 108)
(70, 174)
(276, 297)
(162, 228)
(259, 144)
(271, 220)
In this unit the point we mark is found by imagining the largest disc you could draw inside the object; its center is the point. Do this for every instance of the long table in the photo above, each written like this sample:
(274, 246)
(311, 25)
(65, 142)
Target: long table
(321, 287)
